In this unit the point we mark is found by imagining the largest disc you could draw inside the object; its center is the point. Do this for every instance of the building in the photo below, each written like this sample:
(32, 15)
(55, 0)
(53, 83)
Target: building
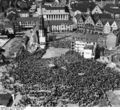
(98, 28)
(96, 24)
(86, 8)
(89, 52)
(3, 39)
(59, 26)
(107, 27)
(89, 24)
(111, 41)
(96, 10)
(24, 14)
(55, 13)
(86, 49)
(114, 26)
(102, 3)
(26, 22)
(112, 9)
(80, 23)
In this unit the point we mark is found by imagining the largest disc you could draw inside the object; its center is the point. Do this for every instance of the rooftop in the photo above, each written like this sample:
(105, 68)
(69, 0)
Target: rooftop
(83, 6)
(89, 47)
(112, 8)
(53, 7)
(58, 22)
(28, 19)
(88, 37)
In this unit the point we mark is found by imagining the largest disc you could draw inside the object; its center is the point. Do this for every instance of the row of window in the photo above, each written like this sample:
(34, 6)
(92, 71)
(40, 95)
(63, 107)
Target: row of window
(27, 23)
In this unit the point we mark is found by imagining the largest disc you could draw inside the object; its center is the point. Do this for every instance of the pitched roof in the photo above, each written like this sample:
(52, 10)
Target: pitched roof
(112, 8)
(88, 37)
(83, 6)
(53, 7)
(102, 16)
(79, 16)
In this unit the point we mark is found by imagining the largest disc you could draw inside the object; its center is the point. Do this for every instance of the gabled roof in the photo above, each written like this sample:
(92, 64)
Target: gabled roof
(79, 16)
(83, 6)
(99, 22)
(92, 19)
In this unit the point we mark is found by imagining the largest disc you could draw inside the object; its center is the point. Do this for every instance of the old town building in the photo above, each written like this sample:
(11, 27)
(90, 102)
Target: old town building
(96, 24)
(25, 23)
(55, 13)
(59, 26)
(86, 8)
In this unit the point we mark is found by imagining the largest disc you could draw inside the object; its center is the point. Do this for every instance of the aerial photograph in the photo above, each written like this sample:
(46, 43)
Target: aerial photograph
(59, 53)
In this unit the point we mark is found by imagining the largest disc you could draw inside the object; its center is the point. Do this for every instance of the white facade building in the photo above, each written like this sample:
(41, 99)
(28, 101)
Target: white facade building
(55, 14)
(88, 54)
(85, 49)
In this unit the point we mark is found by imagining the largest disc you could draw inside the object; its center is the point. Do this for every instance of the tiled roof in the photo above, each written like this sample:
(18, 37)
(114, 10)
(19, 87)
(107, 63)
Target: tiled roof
(102, 16)
(112, 8)
(79, 16)
(83, 6)
(89, 37)
(89, 47)
(104, 21)
(53, 8)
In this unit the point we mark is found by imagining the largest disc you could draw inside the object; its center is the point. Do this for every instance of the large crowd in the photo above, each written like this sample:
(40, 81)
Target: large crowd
(80, 81)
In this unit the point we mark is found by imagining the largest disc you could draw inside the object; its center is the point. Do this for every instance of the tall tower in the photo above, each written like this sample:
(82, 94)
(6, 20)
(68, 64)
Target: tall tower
(41, 31)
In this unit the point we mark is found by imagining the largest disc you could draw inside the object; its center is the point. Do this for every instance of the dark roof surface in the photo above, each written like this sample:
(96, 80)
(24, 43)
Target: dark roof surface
(28, 19)
(83, 6)
(58, 22)
(53, 7)
(89, 37)
(79, 16)
(112, 8)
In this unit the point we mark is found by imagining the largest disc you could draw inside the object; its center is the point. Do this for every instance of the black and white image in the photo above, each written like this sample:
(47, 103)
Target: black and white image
(59, 53)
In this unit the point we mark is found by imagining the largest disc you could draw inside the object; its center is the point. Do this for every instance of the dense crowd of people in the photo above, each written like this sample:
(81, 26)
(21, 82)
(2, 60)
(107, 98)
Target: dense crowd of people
(80, 81)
